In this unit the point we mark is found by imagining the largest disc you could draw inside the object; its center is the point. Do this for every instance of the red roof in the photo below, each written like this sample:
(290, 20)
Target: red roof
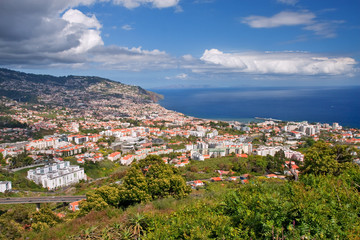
(271, 176)
(216, 179)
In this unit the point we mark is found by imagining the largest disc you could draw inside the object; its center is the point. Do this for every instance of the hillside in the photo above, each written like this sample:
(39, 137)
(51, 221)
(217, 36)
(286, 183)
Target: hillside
(84, 92)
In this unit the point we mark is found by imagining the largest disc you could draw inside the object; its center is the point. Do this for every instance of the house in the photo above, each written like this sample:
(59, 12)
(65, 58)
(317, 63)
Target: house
(114, 156)
(74, 206)
(198, 183)
(81, 160)
(293, 166)
(271, 176)
(216, 179)
(127, 160)
(244, 176)
(244, 181)
(5, 186)
(232, 179)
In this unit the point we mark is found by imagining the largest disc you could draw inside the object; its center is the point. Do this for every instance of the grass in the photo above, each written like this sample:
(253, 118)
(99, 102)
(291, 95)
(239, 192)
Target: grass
(103, 169)
(20, 182)
(206, 169)
(100, 169)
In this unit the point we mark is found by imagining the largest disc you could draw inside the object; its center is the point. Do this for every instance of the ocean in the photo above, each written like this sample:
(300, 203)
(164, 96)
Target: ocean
(312, 104)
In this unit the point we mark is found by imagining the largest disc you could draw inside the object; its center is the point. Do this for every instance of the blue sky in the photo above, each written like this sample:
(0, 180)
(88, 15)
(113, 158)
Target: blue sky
(186, 43)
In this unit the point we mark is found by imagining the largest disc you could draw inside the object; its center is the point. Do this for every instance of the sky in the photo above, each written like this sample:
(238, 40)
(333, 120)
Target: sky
(186, 43)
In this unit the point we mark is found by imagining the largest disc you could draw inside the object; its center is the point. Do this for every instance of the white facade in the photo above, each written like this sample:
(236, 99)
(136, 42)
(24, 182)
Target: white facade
(263, 151)
(57, 175)
(5, 186)
(197, 156)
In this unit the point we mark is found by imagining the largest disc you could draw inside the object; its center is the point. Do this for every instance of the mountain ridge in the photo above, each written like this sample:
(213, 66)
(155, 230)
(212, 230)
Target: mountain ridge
(31, 87)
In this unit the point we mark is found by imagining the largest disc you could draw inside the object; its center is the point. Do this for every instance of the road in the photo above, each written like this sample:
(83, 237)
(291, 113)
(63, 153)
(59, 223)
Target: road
(30, 166)
(50, 199)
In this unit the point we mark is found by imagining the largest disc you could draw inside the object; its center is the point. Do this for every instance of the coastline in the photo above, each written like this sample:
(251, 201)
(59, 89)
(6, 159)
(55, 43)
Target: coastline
(288, 104)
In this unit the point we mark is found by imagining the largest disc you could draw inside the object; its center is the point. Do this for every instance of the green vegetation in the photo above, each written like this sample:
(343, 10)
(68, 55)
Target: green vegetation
(20, 96)
(8, 122)
(322, 159)
(153, 202)
(21, 160)
(5, 109)
(108, 140)
(19, 180)
(177, 146)
(150, 179)
(43, 219)
(316, 207)
(100, 169)
(255, 165)
(41, 133)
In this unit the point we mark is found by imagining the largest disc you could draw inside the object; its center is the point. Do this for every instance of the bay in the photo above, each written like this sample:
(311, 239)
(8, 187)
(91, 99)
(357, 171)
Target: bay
(313, 104)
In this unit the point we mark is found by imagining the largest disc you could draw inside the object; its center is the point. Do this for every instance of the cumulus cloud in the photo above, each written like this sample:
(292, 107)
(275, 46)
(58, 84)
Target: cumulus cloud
(285, 18)
(277, 63)
(53, 33)
(86, 27)
(154, 3)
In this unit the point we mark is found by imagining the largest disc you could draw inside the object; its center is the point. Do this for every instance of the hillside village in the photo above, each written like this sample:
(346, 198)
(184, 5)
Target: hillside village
(92, 142)
(178, 139)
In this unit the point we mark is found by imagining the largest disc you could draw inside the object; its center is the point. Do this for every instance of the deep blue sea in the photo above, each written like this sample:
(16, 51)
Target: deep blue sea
(313, 104)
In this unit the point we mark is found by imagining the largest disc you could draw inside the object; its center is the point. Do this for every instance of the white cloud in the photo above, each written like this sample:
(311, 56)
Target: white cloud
(324, 29)
(87, 29)
(285, 18)
(306, 19)
(74, 16)
(127, 27)
(298, 63)
(52, 33)
(154, 3)
(288, 2)
(130, 59)
(181, 76)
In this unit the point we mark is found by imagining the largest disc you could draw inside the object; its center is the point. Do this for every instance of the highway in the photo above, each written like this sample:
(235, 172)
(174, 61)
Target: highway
(50, 199)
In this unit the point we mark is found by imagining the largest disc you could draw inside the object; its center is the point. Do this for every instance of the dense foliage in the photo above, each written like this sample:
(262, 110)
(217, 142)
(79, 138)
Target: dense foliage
(150, 179)
(8, 122)
(323, 159)
(150, 203)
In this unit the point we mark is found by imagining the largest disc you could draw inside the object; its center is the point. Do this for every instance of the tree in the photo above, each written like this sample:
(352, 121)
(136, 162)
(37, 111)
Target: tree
(9, 229)
(94, 201)
(134, 188)
(43, 219)
(323, 159)
(21, 160)
(2, 159)
(150, 179)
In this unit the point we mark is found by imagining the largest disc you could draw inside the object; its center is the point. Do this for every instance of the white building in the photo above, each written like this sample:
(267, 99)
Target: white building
(264, 151)
(336, 126)
(57, 175)
(5, 186)
(197, 156)
(114, 156)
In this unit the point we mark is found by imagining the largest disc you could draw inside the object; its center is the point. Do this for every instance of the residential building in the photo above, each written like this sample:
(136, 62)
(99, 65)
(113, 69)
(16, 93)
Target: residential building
(5, 186)
(57, 175)
(114, 156)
